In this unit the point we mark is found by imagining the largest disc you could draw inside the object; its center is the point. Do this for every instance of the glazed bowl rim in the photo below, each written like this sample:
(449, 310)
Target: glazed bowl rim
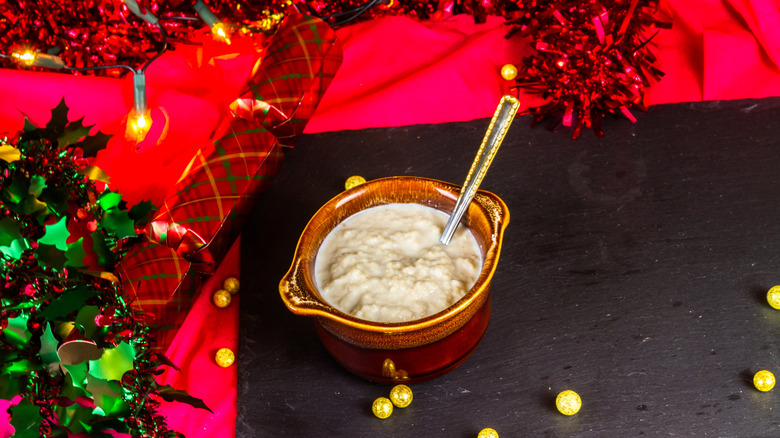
(317, 306)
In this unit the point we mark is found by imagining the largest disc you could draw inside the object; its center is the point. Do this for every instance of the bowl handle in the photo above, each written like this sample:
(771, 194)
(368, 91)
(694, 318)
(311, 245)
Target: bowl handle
(298, 297)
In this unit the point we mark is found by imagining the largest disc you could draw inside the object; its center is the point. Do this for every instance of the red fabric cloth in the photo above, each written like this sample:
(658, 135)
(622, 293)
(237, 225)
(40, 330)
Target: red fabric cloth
(396, 71)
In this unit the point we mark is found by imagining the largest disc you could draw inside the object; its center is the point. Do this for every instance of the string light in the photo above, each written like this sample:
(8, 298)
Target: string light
(218, 28)
(139, 121)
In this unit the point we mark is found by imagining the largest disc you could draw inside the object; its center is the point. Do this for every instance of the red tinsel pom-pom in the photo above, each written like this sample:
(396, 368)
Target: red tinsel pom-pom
(592, 58)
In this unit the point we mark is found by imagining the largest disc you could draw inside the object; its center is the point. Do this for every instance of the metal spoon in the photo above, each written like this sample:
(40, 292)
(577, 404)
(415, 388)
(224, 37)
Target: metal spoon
(499, 124)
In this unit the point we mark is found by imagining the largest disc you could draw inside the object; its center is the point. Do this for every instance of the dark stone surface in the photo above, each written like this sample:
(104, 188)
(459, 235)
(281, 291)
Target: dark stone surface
(634, 272)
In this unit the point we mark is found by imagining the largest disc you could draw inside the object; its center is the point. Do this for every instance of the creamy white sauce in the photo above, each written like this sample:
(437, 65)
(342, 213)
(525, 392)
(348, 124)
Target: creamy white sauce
(386, 264)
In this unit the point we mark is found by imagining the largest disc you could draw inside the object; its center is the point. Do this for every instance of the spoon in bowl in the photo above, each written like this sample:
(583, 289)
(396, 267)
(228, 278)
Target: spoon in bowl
(499, 124)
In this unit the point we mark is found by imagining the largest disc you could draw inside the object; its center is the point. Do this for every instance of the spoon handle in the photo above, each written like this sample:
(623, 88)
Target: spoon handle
(499, 124)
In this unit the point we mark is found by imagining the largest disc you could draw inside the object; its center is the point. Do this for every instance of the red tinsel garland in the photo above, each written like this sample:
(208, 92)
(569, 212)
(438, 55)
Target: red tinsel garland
(592, 58)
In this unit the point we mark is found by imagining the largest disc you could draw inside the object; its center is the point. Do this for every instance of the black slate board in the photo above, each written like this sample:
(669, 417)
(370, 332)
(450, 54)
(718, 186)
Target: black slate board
(634, 272)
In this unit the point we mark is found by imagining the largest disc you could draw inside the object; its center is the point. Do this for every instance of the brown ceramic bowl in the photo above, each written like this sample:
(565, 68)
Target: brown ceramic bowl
(411, 351)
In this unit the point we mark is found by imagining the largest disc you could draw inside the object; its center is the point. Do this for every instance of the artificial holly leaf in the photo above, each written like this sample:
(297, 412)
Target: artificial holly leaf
(48, 351)
(29, 127)
(17, 368)
(50, 256)
(9, 154)
(32, 206)
(56, 198)
(37, 184)
(77, 374)
(86, 320)
(107, 396)
(59, 118)
(142, 212)
(56, 234)
(16, 333)
(109, 200)
(73, 132)
(168, 393)
(75, 418)
(10, 386)
(93, 144)
(163, 359)
(11, 237)
(19, 188)
(76, 254)
(95, 174)
(26, 419)
(114, 362)
(70, 300)
(116, 220)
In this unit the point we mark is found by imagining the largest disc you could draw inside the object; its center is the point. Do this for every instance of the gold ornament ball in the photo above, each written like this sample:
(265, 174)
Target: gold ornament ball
(221, 298)
(509, 72)
(764, 380)
(231, 285)
(401, 396)
(568, 402)
(773, 297)
(354, 181)
(224, 357)
(487, 433)
(382, 407)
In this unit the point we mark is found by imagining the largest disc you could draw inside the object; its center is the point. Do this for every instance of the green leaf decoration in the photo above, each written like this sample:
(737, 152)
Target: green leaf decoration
(142, 212)
(93, 144)
(70, 300)
(37, 184)
(50, 256)
(56, 234)
(59, 118)
(18, 368)
(16, 334)
(75, 418)
(115, 220)
(168, 393)
(114, 362)
(9, 154)
(29, 127)
(48, 351)
(73, 132)
(109, 200)
(76, 254)
(86, 320)
(95, 174)
(17, 190)
(26, 419)
(118, 222)
(9, 387)
(77, 373)
(56, 198)
(12, 244)
(107, 396)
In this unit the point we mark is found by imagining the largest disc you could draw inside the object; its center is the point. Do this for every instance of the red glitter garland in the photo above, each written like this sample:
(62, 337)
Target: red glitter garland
(592, 58)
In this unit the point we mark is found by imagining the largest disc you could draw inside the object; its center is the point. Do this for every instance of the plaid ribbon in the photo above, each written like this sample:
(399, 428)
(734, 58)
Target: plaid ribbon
(201, 219)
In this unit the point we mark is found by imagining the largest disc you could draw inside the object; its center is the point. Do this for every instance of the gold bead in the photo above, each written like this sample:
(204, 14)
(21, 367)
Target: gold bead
(382, 407)
(509, 72)
(773, 297)
(401, 396)
(568, 402)
(487, 433)
(231, 285)
(354, 181)
(225, 357)
(764, 380)
(221, 298)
